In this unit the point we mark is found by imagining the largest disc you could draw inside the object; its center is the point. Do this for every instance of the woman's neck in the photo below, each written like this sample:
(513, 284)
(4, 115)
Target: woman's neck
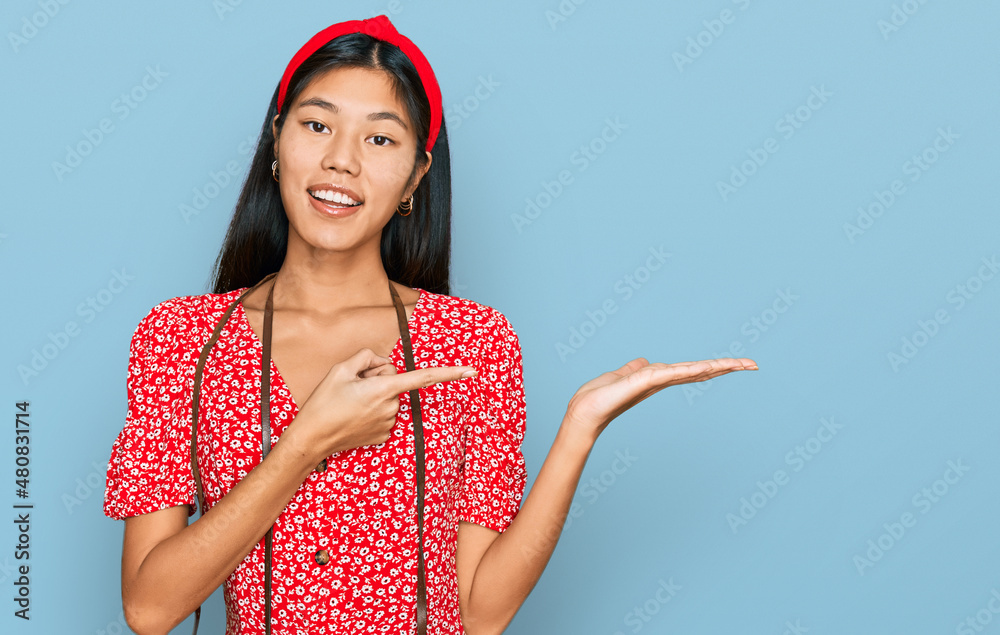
(311, 280)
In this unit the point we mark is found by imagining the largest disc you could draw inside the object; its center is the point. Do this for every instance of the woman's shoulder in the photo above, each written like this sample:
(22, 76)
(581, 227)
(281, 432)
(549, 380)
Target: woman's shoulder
(185, 315)
(465, 314)
(452, 304)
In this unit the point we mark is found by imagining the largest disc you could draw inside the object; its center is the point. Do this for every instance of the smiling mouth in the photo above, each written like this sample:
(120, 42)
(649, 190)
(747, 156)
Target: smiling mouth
(334, 199)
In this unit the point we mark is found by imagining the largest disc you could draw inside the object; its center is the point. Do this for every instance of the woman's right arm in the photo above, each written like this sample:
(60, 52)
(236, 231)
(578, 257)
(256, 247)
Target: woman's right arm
(169, 568)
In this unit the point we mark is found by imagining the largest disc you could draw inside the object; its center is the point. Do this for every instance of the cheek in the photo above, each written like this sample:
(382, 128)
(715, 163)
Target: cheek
(389, 175)
(299, 158)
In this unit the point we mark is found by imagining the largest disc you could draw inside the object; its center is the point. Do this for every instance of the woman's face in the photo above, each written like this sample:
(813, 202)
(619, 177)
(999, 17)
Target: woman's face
(346, 129)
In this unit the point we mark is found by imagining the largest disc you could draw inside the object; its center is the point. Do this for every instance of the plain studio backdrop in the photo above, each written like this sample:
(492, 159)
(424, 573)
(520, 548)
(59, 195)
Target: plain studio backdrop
(811, 185)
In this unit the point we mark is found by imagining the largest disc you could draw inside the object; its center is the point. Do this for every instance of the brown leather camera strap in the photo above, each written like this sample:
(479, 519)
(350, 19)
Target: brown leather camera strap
(418, 446)
(266, 440)
(194, 405)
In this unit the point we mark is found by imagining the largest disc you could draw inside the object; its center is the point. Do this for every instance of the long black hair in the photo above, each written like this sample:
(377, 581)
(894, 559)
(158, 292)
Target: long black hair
(415, 249)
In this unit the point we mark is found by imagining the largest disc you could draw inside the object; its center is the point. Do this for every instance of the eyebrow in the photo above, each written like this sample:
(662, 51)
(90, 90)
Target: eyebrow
(375, 116)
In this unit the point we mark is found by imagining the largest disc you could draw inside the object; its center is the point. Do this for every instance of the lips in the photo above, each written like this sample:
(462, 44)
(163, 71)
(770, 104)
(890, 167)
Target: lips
(335, 196)
(333, 210)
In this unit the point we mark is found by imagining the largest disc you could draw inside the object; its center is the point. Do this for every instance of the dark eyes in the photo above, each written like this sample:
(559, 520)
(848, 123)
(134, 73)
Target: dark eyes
(315, 126)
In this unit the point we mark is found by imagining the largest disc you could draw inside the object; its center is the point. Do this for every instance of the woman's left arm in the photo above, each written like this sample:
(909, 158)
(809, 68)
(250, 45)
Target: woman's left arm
(494, 586)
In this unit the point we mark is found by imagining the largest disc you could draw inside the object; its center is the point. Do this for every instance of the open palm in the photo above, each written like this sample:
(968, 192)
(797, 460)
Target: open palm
(603, 398)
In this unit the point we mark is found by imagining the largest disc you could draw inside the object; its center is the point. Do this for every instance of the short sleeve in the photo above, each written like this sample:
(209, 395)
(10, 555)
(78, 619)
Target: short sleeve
(495, 473)
(150, 465)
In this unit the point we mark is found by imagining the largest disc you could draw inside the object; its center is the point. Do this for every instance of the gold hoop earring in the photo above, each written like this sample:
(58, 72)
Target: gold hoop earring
(407, 205)
(274, 169)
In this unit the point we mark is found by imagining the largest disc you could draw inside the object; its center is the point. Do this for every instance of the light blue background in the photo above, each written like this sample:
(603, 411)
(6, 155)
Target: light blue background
(694, 453)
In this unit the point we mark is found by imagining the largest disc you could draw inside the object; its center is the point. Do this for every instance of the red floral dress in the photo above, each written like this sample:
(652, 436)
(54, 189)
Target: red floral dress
(362, 509)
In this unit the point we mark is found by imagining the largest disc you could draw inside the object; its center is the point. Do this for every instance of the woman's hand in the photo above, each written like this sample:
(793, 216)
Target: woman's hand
(603, 398)
(356, 402)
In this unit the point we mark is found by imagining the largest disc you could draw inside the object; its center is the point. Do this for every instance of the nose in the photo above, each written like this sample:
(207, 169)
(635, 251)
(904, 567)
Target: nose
(341, 152)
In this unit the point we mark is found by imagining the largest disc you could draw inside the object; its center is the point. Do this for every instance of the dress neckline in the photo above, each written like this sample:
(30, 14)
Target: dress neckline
(394, 355)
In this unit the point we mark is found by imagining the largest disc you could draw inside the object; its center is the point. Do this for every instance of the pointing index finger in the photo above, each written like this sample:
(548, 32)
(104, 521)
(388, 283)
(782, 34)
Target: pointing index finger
(423, 377)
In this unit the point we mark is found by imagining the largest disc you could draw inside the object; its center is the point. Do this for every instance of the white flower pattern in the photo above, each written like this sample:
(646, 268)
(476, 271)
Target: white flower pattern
(362, 508)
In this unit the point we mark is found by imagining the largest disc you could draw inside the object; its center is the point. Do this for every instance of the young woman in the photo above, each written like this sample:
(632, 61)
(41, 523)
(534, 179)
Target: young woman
(371, 480)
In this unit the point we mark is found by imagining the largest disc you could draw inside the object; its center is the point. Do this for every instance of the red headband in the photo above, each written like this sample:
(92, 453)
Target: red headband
(379, 28)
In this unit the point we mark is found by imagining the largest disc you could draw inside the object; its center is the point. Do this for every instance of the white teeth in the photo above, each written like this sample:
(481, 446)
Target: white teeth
(334, 197)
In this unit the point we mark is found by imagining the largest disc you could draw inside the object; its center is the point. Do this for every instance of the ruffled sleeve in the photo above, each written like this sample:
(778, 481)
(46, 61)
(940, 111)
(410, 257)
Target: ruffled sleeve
(495, 474)
(150, 465)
